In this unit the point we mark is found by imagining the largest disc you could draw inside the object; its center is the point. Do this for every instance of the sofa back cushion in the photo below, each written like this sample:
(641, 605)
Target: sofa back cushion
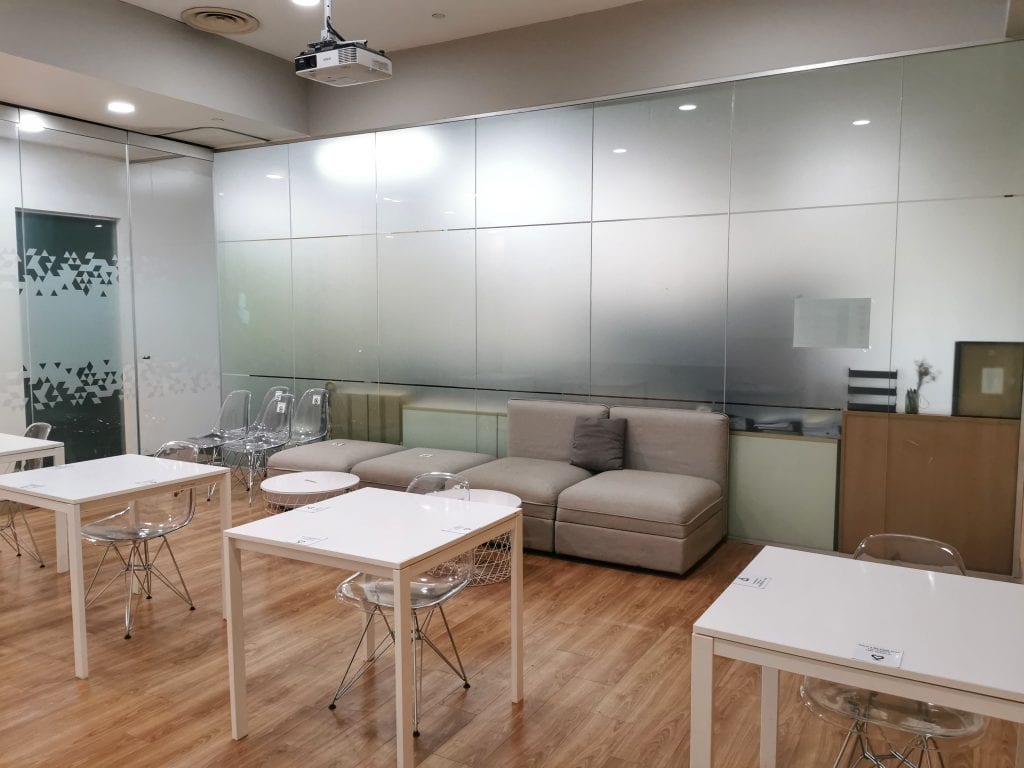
(682, 442)
(542, 429)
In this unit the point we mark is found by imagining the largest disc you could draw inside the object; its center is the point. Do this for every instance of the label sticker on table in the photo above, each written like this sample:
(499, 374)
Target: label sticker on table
(315, 507)
(459, 529)
(309, 540)
(886, 657)
(757, 582)
(144, 482)
(30, 486)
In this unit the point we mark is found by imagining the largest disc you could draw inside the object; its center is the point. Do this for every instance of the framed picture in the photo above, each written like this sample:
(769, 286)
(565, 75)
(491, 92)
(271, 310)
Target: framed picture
(987, 378)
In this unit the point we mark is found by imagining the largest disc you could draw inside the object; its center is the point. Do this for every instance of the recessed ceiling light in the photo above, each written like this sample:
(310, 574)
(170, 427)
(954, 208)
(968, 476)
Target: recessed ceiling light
(439, 15)
(31, 124)
(861, 122)
(275, 176)
(687, 107)
(99, 226)
(619, 150)
(121, 107)
(306, 2)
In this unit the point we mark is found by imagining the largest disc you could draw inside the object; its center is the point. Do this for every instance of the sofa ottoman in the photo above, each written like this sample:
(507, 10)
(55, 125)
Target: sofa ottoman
(394, 471)
(327, 456)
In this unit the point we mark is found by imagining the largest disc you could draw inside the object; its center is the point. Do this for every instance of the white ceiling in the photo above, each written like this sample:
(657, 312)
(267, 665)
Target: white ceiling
(286, 28)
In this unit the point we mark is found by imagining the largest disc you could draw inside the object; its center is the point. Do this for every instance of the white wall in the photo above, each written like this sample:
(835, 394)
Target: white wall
(652, 44)
(120, 43)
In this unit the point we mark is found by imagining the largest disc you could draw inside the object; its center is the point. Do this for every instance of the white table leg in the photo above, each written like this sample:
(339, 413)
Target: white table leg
(73, 521)
(769, 715)
(516, 599)
(61, 523)
(225, 523)
(236, 638)
(701, 682)
(403, 669)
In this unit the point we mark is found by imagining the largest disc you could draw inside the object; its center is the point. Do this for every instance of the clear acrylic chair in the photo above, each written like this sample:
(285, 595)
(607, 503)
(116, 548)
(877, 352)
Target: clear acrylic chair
(139, 528)
(861, 712)
(247, 457)
(11, 511)
(309, 423)
(375, 596)
(274, 393)
(232, 424)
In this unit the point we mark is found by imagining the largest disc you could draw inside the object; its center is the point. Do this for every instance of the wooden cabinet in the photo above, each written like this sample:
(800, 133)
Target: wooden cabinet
(951, 478)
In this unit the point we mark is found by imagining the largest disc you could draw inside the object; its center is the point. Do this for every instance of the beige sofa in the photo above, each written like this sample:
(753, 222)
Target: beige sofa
(664, 510)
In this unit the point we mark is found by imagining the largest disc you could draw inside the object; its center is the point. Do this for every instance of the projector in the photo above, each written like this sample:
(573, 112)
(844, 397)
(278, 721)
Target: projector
(342, 63)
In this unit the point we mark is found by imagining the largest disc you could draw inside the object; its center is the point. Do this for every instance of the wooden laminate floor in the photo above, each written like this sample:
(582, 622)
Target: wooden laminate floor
(607, 673)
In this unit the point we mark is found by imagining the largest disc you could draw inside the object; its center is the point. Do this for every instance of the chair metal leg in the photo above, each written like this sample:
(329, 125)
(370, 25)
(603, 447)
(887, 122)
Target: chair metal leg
(347, 683)
(9, 533)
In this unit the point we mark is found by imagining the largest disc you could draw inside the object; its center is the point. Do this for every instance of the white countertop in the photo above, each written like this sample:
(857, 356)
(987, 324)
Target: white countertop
(387, 528)
(958, 631)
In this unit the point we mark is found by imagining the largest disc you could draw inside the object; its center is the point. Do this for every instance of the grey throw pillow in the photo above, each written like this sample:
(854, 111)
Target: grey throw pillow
(598, 444)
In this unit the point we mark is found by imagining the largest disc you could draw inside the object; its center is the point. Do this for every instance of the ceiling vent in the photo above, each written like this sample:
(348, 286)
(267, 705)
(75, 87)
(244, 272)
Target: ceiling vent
(222, 21)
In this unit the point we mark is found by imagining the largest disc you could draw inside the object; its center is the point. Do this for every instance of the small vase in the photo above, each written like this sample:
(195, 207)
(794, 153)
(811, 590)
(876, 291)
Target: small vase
(912, 402)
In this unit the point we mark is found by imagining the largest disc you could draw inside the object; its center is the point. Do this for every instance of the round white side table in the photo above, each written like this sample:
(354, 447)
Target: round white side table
(296, 489)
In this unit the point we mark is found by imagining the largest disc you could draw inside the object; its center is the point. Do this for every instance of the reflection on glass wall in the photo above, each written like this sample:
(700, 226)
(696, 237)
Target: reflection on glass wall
(787, 249)
(104, 241)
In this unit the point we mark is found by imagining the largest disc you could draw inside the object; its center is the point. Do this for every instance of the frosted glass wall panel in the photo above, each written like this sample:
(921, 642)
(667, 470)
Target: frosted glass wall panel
(778, 257)
(332, 186)
(534, 167)
(256, 308)
(795, 143)
(959, 277)
(533, 308)
(426, 177)
(12, 389)
(676, 161)
(963, 117)
(659, 313)
(175, 262)
(334, 283)
(427, 317)
(435, 417)
(252, 194)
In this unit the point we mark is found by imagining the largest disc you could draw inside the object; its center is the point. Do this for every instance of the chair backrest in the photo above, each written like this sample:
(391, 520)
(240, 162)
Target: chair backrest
(276, 418)
(273, 394)
(309, 422)
(156, 511)
(457, 572)
(910, 551)
(38, 430)
(234, 413)
(444, 483)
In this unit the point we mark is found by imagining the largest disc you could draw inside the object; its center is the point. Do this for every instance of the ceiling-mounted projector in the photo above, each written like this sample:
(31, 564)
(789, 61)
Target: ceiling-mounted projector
(336, 61)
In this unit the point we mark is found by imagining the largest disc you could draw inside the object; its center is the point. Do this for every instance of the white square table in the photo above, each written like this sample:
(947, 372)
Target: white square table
(103, 485)
(960, 637)
(386, 533)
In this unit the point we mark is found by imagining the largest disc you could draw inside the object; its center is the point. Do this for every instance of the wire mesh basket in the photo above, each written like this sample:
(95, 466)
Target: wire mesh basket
(492, 561)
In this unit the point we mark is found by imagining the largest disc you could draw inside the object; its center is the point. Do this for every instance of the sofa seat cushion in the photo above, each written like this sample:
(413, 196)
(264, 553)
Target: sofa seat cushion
(657, 503)
(396, 470)
(538, 482)
(329, 456)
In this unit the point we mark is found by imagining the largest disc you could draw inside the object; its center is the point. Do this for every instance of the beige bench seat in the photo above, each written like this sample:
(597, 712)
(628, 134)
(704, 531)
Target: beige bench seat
(327, 456)
(394, 471)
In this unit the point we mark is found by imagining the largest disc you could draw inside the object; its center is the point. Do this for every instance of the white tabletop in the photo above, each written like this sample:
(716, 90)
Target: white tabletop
(13, 444)
(101, 478)
(302, 483)
(954, 630)
(387, 528)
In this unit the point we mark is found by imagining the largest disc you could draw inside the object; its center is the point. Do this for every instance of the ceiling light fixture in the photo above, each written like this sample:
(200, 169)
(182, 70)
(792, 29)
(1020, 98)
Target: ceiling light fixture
(275, 176)
(861, 122)
(306, 3)
(121, 107)
(687, 107)
(619, 151)
(31, 124)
